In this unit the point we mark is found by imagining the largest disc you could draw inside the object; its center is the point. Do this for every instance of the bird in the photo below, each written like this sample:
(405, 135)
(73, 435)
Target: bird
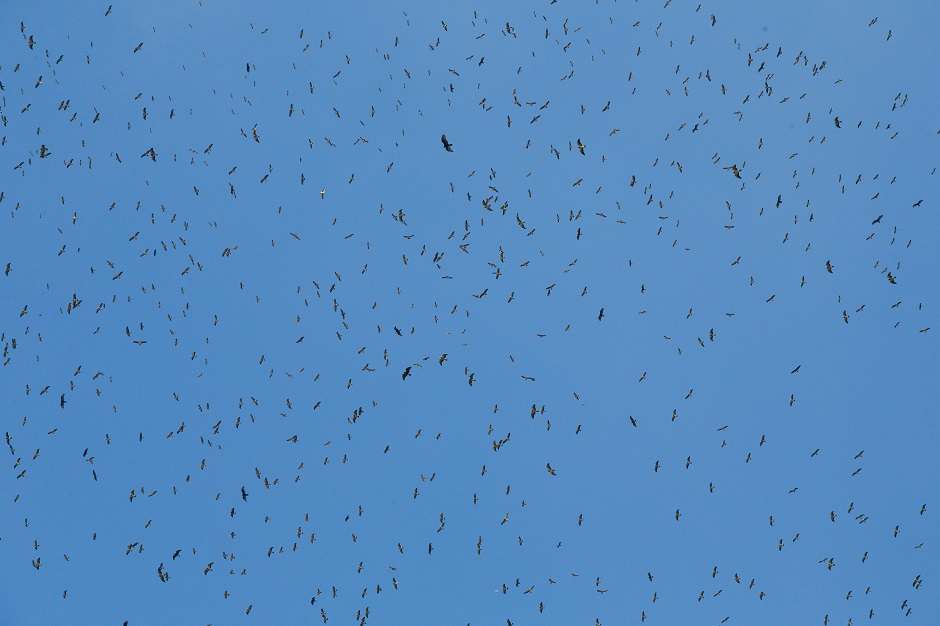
(447, 145)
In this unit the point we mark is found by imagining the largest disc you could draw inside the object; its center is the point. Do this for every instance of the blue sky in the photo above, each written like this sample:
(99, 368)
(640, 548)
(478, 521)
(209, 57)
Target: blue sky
(172, 320)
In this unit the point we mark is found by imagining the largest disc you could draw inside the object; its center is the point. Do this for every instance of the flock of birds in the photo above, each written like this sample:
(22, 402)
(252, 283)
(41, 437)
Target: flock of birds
(271, 351)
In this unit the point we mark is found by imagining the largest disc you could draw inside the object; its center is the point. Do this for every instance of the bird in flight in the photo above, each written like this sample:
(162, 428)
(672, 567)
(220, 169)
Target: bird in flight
(447, 145)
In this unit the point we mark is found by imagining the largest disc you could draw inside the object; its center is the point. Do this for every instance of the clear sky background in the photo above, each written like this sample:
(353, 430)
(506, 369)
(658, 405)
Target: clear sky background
(215, 215)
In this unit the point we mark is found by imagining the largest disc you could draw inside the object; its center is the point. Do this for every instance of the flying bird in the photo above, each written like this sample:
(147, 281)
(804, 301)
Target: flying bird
(447, 145)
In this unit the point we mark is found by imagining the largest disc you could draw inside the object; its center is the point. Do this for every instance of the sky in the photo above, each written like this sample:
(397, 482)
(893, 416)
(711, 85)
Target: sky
(651, 344)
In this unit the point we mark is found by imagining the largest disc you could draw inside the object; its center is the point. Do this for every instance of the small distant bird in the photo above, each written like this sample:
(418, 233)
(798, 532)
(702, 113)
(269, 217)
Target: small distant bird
(447, 145)
(600, 315)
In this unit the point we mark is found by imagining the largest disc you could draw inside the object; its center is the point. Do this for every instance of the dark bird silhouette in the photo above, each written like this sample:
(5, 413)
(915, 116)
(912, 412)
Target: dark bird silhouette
(447, 145)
